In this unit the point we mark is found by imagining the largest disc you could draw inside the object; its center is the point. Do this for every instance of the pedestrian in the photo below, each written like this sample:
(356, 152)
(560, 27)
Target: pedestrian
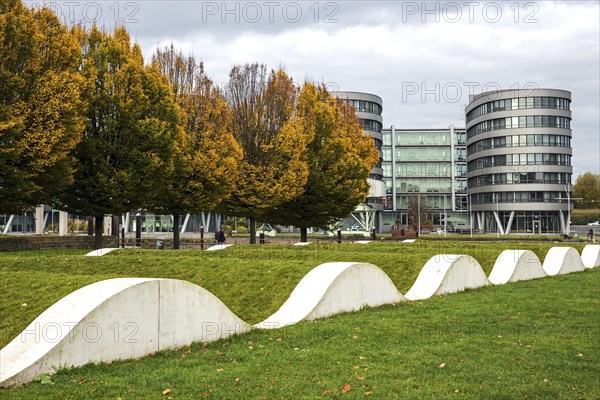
(220, 236)
(591, 234)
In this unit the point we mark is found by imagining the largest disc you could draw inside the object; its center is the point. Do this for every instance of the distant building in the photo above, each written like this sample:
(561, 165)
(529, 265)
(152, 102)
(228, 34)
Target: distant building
(369, 108)
(428, 167)
(519, 160)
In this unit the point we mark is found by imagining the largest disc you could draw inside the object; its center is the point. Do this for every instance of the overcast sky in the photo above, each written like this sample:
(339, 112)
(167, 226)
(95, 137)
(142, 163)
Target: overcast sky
(422, 59)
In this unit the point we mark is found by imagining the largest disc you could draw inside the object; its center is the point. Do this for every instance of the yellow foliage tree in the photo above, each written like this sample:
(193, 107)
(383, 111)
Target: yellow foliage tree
(340, 159)
(204, 166)
(264, 122)
(131, 121)
(41, 117)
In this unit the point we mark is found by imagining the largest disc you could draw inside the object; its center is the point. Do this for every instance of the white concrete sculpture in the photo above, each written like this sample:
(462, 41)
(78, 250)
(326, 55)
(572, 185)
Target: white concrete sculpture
(590, 255)
(218, 247)
(516, 265)
(409, 240)
(562, 260)
(100, 252)
(333, 288)
(447, 273)
(116, 319)
(132, 317)
(362, 242)
(301, 244)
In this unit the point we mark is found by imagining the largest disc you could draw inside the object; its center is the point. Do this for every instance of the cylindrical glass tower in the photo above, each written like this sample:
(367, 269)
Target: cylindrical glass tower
(519, 160)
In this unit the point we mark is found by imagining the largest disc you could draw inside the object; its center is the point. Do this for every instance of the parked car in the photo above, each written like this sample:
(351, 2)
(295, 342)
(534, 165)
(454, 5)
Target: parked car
(595, 223)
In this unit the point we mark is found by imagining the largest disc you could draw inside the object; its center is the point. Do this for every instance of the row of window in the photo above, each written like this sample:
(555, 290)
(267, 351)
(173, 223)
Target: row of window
(519, 178)
(371, 125)
(519, 141)
(529, 121)
(519, 159)
(432, 170)
(423, 138)
(516, 197)
(518, 104)
(366, 106)
(440, 202)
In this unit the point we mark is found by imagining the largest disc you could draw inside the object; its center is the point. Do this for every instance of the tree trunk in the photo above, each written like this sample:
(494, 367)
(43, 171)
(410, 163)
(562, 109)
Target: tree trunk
(252, 230)
(99, 225)
(175, 231)
(304, 235)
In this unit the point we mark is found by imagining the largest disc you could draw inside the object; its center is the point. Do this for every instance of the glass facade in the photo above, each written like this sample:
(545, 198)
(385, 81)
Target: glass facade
(428, 167)
(519, 103)
(539, 153)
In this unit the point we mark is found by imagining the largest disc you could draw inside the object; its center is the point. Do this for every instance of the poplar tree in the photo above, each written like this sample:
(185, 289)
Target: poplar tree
(273, 169)
(40, 106)
(131, 119)
(204, 166)
(340, 158)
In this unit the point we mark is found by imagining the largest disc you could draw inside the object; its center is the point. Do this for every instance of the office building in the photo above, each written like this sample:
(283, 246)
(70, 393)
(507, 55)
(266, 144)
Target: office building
(425, 173)
(519, 160)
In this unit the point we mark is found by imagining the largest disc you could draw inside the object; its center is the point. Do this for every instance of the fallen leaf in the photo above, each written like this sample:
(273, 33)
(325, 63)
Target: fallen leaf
(166, 391)
(221, 370)
(368, 393)
(360, 378)
(442, 365)
(24, 305)
(327, 392)
(345, 388)
(237, 379)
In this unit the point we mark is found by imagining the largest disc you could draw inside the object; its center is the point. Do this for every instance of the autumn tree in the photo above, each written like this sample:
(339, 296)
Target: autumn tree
(204, 166)
(587, 188)
(273, 169)
(131, 119)
(339, 157)
(40, 106)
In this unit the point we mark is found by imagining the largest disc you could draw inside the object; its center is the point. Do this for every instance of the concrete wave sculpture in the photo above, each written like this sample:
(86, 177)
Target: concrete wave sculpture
(100, 252)
(590, 256)
(516, 265)
(217, 247)
(562, 260)
(127, 318)
(333, 288)
(447, 273)
(115, 319)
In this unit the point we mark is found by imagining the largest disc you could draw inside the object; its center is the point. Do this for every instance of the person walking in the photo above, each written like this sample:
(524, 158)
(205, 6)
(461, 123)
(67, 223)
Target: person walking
(591, 234)
(220, 236)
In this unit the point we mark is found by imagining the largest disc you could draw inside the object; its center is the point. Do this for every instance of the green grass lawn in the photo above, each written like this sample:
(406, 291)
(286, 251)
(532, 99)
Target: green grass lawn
(534, 339)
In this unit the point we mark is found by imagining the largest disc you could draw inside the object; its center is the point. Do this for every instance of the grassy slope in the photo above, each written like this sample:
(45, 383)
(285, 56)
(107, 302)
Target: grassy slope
(252, 281)
(539, 338)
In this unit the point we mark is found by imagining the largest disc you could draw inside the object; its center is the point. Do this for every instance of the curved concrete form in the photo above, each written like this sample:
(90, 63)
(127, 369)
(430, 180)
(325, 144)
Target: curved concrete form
(362, 242)
(100, 252)
(447, 273)
(218, 247)
(562, 260)
(302, 244)
(516, 265)
(590, 255)
(131, 317)
(333, 288)
(116, 319)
